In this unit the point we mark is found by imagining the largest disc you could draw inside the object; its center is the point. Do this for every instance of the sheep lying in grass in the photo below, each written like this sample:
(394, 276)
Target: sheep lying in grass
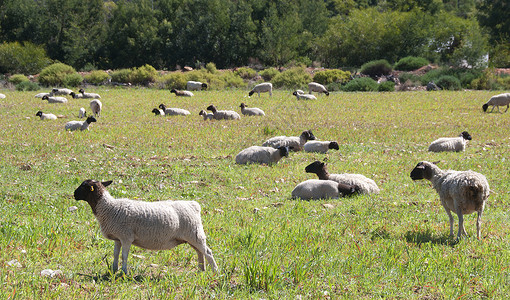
(2, 96)
(303, 96)
(295, 143)
(462, 192)
(251, 111)
(79, 125)
(365, 185)
(322, 189)
(44, 116)
(76, 96)
(40, 95)
(450, 144)
(195, 86)
(207, 116)
(497, 101)
(182, 93)
(265, 87)
(51, 99)
(157, 225)
(96, 106)
(223, 114)
(318, 88)
(89, 95)
(261, 155)
(57, 91)
(172, 111)
(158, 112)
(320, 146)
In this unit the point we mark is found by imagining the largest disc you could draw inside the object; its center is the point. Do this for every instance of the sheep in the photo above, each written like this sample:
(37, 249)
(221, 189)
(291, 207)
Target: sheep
(182, 93)
(76, 96)
(89, 95)
(365, 185)
(40, 95)
(450, 144)
(44, 116)
(497, 101)
(261, 155)
(303, 96)
(462, 192)
(158, 112)
(81, 125)
(2, 96)
(96, 106)
(300, 91)
(320, 146)
(223, 114)
(156, 225)
(170, 111)
(56, 91)
(54, 99)
(317, 87)
(251, 111)
(265, 87)
(322, 189)
(295, 143)
(207, 116)
(82, 113)
(195, 86)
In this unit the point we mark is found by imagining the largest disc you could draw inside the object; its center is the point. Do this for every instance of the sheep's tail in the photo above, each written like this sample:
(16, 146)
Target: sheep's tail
(478, 194)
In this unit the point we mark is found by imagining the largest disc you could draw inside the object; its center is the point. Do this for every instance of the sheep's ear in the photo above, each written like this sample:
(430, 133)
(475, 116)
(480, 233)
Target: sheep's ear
(106, 183)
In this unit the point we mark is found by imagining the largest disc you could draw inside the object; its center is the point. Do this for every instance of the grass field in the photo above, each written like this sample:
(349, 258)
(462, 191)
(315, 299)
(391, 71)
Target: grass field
(391, 245)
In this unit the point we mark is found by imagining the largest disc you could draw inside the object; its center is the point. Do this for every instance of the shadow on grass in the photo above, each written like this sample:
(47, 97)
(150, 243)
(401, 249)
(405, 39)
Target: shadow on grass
(109, 277)
(422, 237)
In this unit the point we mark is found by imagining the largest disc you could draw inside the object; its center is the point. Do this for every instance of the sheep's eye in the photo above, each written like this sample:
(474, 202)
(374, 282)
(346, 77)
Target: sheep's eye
(91, 188)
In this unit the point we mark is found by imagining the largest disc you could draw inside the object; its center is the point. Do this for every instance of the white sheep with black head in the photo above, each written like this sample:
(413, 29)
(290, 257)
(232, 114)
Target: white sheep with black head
(44, 116)
(80, 125)
(251, 111)
(320, 146)
(455, 144)
(295, 143)
(265, 87)
(497, 101)
(261, 155)
(173, 111)
(223, 114)
(195, 85)
(322, 189)
(179, 93)
(318, 88)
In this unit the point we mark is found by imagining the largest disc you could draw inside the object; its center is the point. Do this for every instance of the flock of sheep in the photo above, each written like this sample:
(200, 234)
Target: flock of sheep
(166, 224)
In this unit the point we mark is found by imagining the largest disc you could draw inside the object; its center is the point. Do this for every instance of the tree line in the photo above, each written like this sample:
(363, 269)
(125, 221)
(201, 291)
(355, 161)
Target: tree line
(331, 33)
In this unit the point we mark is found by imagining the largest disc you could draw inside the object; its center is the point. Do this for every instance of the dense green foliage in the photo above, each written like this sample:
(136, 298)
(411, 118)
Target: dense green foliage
(292, 78)
(410, 63)
(363, 84)
(27, 86)
(17, 78)
(96, 77)
(59, 74)
(327, 77)
(448, 82)
(376, 68)
(26, 59)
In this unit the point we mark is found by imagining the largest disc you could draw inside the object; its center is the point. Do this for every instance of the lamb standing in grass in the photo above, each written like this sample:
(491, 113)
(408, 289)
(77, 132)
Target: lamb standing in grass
(261, 155)
(497, 101)
(195, 86)
(303, 96)
(318, 88)
(51, 99)
(182, 93)
(157, 225)
(265, 87)
(96, 106)
(44, 116)
(171, 111)
(322, 189)
(207, 116)
(462, 192)
(79, 125)
(320, 146)
(365, 185)
(450, 144)
(295, 143)
(82, 113)
(251, 111)
(223, 114)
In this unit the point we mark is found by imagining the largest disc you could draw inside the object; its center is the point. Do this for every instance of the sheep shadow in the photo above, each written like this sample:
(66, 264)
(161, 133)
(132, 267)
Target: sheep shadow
(422, 237)
(110, 277)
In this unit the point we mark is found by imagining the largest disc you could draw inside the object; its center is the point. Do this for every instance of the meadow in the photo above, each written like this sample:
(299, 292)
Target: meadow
(392, 245)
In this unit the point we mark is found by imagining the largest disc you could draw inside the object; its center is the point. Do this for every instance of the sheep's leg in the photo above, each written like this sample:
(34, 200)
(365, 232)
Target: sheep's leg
(451, 219)
(203, 250)
(116, 251)
(201, 265)
(478, 224)
(507, 107)
(493, 107)
(125, 251)
(462, 230)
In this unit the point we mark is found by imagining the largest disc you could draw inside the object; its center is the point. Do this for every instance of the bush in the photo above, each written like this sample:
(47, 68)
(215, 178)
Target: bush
(408, 76)
(59, 74)
(25, 59)
(363, 84)
(292, 78)
(269, 74)
(175, 80)
(332, 76)
(231, 80)
(245, 73)
(447, 82)
(97, 77)
(121, 76)
(465, 76)
(211, 68)
(387, 86)
(143, 75)
(18, 78)
(487, 81)
(411, 63)
(376, 68)
(27, 86)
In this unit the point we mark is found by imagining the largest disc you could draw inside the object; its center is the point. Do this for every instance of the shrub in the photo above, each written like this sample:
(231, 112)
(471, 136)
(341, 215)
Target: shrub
(56, 75)
(174, 80)
(292, 78)
(245, 73)
(25, 59)
(465, 76)
(387, 86)
(97, 77)
(231, 80)
(376, 68)
(269, 74)
(447, 82)
(487, 81)
(18, 78)
(143, 75)
(121, 76)
(363, 84)
(332, 76)
(411, 63)
(211, 68)
(27, 86)
(408, 76)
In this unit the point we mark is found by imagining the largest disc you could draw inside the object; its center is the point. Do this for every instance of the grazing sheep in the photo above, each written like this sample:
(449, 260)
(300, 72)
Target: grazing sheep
(56, 91)
(40, 95)
(497, 101)
(44, 116)
(89, 95)
(462, 192)
(96, 106)
(207, 116)
(2, 96)
(450, 144)
(171, 111)
(195, 86)
(81, 125)
(182, 93)
(265, 87)
(223, 114)
(82, 113)
(54, 99)
(303, 96)
(251, 111)
(76, 96)
(295, 143)
(158, 112)
(322, 189)
(320, 146)
(365, 185)
(318, 88)
(261, 155)
(156, 225)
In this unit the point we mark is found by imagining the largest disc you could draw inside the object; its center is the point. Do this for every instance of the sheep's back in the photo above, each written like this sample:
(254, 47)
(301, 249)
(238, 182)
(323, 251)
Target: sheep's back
(316, 189)
(316, 146)
(365, 184)
(226, 115)
(448, 144)
(256, 154)
(292, 142)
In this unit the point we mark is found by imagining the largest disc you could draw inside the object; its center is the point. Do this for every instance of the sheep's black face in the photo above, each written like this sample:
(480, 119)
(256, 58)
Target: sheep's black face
(251, 93)
(466, 135)
(204, 85)
(162, 106)
(284, 151)
(90, 190)
(45, 97)
(81, 91)
(155, 111)
(242, 105)
(211, 108)
(347, 189)
(314, 167)
(91, 119)
(484, 107)
(334, 145)
(39, 113)
(327, 93)
(418, 172)
(295, 93)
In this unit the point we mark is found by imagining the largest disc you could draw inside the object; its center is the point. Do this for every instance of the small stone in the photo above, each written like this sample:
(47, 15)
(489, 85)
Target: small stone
(14, 263)
(72, 208)
(328, 206)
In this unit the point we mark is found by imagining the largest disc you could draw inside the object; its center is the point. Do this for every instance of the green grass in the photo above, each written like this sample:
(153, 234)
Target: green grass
(391, 245)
